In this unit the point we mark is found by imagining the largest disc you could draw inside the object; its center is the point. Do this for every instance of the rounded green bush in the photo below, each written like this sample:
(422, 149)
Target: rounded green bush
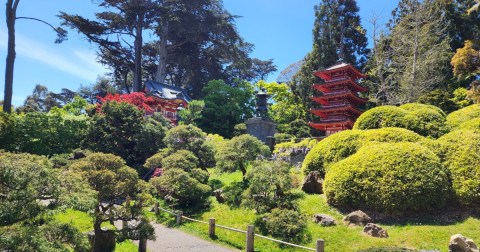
(332, 149)
(288, 225)
(426, 122)
(419, 106)
(460, 116)
(460, 151)
(473, 124)
(343, 144)
(381, 117)
(182, 159)
(391, 177)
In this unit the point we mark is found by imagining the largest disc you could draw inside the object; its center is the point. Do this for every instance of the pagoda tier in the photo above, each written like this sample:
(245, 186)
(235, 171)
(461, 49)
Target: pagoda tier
(339, 100)
(326, 112)
(341, 70)
(333, 85)
(338, 97)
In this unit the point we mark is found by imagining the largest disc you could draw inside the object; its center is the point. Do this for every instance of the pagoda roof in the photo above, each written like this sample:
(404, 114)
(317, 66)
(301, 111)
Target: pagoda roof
(326, 73)
(326, 97)
(164, 91)
(325, 87)
(324, 111)
(329, 125)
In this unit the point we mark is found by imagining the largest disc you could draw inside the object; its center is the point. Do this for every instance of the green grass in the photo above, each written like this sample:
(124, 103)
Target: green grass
(84, 222)
(226, 177)
(337, 238)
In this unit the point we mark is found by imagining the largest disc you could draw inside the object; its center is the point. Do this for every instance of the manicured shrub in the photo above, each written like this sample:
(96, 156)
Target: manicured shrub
(182, 159)
(189, 137)
(285, 224)
(343, 144)
(419, 106)
(426, 122)
(460, 116)
(332, 149)
(461, 152)
(154, 161)
(392, 177)
(269, 183)
(473, 124)
(381, 117)
(176, 185)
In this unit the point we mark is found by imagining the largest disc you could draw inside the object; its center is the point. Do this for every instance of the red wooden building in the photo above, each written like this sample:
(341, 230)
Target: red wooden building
(168, 99)
(339, 100)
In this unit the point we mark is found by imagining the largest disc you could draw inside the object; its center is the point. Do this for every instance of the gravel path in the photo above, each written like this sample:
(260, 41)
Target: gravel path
(169, 239)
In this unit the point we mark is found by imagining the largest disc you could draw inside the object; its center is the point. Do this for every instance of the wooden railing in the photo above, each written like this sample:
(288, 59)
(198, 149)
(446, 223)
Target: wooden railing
(250, 234)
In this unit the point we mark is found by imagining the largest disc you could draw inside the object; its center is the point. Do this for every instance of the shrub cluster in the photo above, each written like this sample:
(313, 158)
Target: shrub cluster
(343, 144)
(388, 177)
(426, 120)
(396, 170)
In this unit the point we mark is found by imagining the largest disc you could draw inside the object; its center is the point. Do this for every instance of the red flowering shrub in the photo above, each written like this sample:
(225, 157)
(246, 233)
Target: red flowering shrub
(138, 99)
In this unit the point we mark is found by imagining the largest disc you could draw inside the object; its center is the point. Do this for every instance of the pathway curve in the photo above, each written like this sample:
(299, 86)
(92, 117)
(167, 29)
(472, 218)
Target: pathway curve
(170, 239)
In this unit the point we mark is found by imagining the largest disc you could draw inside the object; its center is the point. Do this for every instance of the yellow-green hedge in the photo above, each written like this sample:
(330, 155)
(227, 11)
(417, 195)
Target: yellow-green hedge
(389, 177)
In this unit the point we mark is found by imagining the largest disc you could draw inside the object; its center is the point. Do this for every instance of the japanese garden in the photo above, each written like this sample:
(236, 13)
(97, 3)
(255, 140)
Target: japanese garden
(370, 142)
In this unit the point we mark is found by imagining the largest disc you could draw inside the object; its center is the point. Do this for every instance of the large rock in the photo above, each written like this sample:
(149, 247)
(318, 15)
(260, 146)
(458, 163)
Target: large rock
(358, 218)
(459, 243)
(313, 183)
(375, 231)
(324, 220)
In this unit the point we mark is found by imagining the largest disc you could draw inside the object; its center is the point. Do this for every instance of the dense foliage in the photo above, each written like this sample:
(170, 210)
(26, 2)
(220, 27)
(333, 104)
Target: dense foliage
(460, 116)
(391, 177)
(42, 133)
(346, 143)
(237, 153)
(288, 225)
(460, 151)
(426, 120)
(191, 138)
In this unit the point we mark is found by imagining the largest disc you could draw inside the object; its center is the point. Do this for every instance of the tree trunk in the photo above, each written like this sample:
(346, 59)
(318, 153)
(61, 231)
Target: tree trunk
(162, 56)
(11, 15)
(415, 54)
(103, 241)
(243, 170)
(137, 74)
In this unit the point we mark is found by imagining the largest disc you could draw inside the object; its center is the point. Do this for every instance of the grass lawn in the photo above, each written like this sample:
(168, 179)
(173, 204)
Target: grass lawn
(417, 235)
(84, 223)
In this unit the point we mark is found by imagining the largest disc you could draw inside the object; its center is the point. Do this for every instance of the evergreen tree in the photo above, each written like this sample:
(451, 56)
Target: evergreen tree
(337, 35)
(420, 49)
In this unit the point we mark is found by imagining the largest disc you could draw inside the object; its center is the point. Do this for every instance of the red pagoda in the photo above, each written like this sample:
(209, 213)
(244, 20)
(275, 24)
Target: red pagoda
(339, 101)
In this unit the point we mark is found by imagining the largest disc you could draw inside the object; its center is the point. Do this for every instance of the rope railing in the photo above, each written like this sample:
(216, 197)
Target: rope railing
(249, 232)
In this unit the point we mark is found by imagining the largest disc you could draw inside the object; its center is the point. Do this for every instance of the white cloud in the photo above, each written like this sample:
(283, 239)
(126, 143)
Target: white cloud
(78, 63)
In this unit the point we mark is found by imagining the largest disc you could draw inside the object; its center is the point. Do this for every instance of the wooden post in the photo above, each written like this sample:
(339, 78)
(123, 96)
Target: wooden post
(320, 245)
(250, 238)
(211, 227)
(142, 245)
(179, 217)
(155, 208)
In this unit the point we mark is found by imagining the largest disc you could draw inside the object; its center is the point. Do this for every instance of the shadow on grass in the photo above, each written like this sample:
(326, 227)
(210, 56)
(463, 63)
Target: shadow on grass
(443, 217)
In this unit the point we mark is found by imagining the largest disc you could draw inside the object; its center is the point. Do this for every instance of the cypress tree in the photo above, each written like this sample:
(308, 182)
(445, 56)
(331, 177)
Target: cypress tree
(337, 35)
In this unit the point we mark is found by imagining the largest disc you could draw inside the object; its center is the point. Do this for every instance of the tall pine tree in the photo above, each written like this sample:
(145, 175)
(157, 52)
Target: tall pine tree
(337, 35)
(420, 49)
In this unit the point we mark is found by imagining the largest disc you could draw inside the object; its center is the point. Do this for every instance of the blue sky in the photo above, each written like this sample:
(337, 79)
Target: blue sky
(280, 30)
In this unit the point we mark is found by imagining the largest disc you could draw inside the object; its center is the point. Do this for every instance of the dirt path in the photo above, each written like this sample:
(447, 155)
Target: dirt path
(169, 239)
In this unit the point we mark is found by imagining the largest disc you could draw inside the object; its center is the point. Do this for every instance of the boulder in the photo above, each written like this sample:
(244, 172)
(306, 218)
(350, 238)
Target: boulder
(324, 220)
(375, 231)
(313, 183)
(219, 195)
(459, 243)
(358, 218)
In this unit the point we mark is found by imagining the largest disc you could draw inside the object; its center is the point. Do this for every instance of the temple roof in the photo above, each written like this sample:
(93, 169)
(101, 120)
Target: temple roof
(325, 73)
(165, 91)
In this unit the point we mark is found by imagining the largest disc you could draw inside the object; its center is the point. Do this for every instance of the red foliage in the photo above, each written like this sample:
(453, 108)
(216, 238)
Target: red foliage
(138, 99)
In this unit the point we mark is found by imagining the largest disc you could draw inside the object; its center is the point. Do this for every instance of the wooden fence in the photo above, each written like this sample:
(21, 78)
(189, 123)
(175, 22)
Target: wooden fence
(249, 233)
